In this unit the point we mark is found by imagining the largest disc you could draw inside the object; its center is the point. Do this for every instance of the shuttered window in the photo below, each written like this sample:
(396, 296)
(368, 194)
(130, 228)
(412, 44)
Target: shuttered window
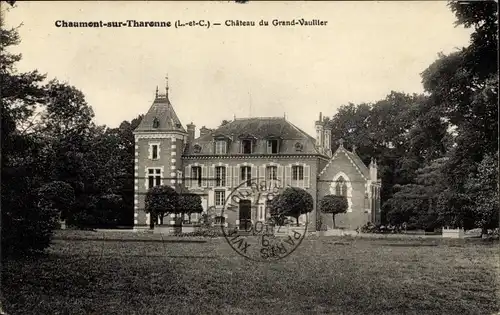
(220, 176)
(246, 175)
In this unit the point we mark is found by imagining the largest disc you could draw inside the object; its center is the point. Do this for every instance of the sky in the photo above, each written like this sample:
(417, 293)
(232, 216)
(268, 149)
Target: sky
(365, 50)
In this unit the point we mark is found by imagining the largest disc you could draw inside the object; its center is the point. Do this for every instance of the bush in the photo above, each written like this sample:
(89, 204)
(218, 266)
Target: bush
(203, 232)
(380, 229)
(28, 225)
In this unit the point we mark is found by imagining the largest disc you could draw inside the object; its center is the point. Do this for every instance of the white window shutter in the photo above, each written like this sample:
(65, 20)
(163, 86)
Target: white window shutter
(262, 174)
(228, 176)
(307, 176)
(204, 176)
(254, 172)
(288, 176)
(281, 180)
(236, 176)
(211, 175)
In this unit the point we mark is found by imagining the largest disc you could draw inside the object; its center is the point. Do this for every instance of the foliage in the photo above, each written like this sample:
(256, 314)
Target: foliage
(161, 201)
(483, 186)
(333, 204)
(210, 232)
(189, 203)
(292, 202)
(57, 195)
(416, 203)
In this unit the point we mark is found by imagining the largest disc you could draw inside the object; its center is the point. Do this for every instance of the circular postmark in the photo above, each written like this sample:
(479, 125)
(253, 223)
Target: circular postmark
(257, 234)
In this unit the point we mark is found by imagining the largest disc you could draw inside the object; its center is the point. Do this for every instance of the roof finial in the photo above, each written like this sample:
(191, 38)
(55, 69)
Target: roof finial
(234, 116)
(341, 142)
(353, 148)
(166, 85)
(157, 91)
(284, 115)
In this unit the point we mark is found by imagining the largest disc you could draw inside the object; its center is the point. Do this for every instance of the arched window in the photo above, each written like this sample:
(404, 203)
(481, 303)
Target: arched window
(156, 123)
(341, 187)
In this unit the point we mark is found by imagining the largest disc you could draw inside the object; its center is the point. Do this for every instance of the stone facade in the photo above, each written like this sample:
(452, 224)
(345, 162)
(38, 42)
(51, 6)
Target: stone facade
(218, 164)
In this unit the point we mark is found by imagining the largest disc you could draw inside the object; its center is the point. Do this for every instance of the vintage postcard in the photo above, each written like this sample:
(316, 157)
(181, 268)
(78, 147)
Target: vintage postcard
(249, 157)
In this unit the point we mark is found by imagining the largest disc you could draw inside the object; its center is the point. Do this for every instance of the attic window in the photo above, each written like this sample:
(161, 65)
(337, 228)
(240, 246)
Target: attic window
(272, 146)
(298, 146)
(178, 125)
(156, 123)
(246, 146)
(197, 148)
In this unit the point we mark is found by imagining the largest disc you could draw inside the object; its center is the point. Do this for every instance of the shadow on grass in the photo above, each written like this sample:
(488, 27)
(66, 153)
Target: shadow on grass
(121, 240)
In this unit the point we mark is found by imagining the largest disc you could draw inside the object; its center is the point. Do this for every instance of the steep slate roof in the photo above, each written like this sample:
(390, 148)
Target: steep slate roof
(260, 128)
(353, 157)
(163, 111)
(359, 163)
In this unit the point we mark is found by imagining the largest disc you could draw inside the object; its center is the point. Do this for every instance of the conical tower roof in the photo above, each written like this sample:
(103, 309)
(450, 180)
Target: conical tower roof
(160, 117)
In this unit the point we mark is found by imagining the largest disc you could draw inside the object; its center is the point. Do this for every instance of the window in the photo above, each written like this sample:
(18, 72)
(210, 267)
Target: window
(271, 173)
(341, 188)
(272, 146)
(154, 152)
(197, 148)
(196, 175)
(297, 172)
(220, 220)
(220, 147)
(154, 177)
(246, 146)
(246, 174)
(220, 176)
(156, 123)
(220, 197)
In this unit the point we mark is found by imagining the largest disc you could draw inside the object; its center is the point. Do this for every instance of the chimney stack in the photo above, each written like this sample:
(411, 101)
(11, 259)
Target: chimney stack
(191, 128)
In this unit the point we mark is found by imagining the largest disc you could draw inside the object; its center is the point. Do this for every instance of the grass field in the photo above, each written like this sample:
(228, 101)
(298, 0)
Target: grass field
(90, 273)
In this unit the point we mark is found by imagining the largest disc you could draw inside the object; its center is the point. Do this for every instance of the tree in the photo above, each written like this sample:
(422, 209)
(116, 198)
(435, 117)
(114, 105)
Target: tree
(188, 204)
(21, 167)
(160, 201)
(416, 203)
(483, 185)
(291, 202)
(334, 205)
(57, 195)
(464, 86)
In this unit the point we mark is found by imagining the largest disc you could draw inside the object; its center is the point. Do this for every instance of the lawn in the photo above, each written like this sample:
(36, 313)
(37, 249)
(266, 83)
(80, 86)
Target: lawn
(125, 273)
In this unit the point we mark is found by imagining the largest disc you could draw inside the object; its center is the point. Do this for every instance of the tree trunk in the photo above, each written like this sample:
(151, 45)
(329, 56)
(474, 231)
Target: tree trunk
(484, 231)
(333, 217)
(152, 221)
(297, 219)
(161, 219)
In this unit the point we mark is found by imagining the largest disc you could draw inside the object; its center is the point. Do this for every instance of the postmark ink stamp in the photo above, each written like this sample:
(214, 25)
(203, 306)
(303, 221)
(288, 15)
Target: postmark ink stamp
(261, 232)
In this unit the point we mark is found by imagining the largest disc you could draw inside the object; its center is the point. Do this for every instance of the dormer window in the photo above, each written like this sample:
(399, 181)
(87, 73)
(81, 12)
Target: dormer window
(220, 147)
(156, 123)
(246, 146)
(272, 146)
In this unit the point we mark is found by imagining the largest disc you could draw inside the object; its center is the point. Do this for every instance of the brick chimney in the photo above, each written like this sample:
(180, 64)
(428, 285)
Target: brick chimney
(191, 128)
